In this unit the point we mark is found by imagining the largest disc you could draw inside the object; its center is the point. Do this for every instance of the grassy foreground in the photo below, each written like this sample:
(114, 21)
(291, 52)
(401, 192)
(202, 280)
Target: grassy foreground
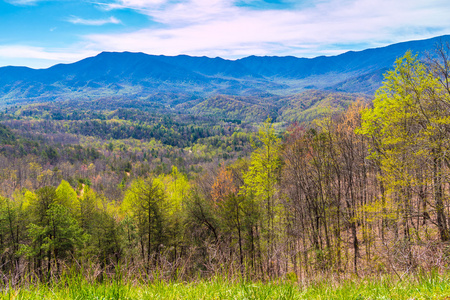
(432, 286)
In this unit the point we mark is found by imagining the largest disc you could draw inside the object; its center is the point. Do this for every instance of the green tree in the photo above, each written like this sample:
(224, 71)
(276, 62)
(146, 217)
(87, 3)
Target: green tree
(177, 189)
(54, 233)
(145, 202)
(408, 129)
(12, 225)
(261, 181)
(66, 195)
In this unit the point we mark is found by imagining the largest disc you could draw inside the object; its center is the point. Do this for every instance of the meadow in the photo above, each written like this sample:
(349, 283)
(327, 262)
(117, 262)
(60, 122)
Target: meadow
(425, 286)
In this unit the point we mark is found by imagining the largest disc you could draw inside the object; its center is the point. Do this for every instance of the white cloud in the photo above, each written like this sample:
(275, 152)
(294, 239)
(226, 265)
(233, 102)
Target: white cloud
(39, 57)
(220, 28)
(99, 22)
(139, 5)
(23, 2)
(217, 27)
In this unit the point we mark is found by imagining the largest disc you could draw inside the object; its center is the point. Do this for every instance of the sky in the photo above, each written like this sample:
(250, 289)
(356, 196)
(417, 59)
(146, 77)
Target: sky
(41, 33)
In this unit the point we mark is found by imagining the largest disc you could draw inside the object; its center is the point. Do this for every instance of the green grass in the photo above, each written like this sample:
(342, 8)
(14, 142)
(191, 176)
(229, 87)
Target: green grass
(431, 286)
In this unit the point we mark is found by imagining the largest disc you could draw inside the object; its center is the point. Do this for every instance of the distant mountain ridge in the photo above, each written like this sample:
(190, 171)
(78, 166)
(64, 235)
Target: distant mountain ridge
(140, 75)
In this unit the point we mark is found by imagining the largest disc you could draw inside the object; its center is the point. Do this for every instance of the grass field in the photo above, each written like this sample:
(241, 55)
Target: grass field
(431, 286)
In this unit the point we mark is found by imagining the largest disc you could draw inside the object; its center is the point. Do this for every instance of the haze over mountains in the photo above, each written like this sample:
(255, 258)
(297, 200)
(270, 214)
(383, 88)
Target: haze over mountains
(141, 75)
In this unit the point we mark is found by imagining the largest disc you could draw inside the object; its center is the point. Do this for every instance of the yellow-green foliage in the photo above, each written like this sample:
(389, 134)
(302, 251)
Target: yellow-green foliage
(406, 123)
(67, 196)
(177, 188)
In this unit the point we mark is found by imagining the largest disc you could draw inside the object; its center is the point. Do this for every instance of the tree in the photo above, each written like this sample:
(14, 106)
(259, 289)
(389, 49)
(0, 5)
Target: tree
(12, 223)
(408, 128)
(229, 207)
(145, 202)
(66, 195)
(177, 189)
(261, 181)
(53, 232)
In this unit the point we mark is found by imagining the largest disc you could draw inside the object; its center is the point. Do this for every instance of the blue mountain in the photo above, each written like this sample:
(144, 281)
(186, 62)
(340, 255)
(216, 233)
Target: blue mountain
(141, 75)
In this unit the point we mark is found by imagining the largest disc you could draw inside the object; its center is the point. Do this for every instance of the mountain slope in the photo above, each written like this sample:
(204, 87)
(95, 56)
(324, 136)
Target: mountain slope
(140, 75)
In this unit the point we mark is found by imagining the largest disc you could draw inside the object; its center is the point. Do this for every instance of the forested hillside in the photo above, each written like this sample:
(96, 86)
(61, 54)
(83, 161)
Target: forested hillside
(141, 189)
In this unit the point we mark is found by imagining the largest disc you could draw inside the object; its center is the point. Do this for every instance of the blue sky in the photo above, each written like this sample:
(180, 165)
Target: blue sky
(41, 33)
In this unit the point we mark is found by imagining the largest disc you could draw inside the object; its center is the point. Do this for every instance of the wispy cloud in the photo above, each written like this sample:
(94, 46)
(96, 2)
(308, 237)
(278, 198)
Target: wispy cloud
(41, 57)
(98, 22)
(139, 5)
(23, 2)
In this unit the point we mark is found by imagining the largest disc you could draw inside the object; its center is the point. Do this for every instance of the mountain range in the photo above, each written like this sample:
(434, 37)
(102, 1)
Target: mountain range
(126, 74)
